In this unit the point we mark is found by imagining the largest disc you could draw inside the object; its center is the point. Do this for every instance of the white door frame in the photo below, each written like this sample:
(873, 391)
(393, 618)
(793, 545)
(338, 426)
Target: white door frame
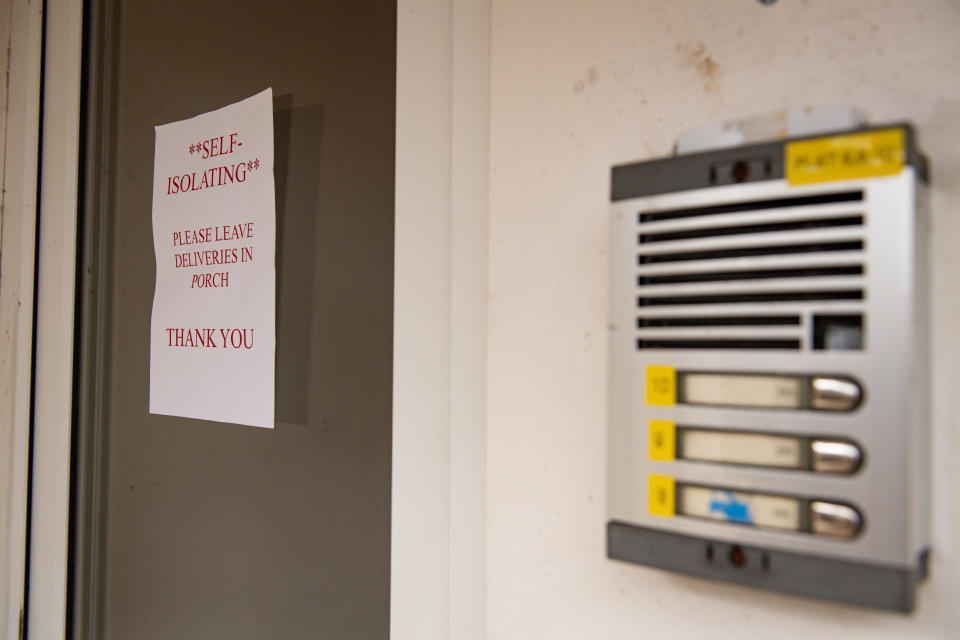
(54, 340)
(439, 447)
(438, 493)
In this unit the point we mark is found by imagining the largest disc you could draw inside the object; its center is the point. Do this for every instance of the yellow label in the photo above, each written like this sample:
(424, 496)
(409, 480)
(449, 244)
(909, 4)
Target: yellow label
(855, 155)
(662, 440)
(662, 490)
(661, 386)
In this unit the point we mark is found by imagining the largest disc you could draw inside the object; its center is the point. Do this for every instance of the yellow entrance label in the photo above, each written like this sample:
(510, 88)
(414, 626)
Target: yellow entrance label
(855, 155)
(661, 386)
(662, 440)
(661, 500)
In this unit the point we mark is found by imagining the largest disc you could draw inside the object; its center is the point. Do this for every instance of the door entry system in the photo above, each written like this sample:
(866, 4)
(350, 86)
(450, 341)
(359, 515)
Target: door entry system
(768, 365)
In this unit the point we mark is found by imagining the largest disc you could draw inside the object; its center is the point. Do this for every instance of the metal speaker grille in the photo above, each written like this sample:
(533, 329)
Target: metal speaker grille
(746, 274)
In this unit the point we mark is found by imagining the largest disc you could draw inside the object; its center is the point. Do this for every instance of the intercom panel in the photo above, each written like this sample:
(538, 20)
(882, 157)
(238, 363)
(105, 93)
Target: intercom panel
(768, 365)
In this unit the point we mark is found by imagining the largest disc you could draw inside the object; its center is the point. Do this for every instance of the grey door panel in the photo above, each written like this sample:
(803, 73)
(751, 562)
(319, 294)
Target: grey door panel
(193, 529)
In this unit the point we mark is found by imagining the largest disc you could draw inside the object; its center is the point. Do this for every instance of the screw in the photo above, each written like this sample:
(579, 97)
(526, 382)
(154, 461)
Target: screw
(741, 171)
(738, 557)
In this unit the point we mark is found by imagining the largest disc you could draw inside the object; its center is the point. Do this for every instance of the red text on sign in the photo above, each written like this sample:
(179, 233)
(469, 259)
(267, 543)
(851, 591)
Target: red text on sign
(210, 280)
(218, 147)
(210, 338)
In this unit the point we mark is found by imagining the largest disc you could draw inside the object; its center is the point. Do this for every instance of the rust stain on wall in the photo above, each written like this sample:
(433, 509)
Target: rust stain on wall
(696, 57)
(587, 81)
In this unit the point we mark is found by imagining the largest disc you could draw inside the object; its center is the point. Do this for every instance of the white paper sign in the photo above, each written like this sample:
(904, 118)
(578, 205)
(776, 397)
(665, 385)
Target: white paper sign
(214, 227)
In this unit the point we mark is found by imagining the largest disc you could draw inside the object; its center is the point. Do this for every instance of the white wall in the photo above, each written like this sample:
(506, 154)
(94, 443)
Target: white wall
(577, 86)
(21, 39)
(5, 18)
(5, 462)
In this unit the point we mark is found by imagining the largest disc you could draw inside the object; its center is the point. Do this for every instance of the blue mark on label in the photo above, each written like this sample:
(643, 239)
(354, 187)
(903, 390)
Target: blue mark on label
(725, 504)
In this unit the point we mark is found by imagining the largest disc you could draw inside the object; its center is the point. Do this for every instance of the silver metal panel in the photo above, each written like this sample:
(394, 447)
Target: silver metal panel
(888, 424)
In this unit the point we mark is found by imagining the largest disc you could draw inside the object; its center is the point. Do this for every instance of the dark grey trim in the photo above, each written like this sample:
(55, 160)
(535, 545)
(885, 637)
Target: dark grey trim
(811, 576)
(764, 161)
(86, 586)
